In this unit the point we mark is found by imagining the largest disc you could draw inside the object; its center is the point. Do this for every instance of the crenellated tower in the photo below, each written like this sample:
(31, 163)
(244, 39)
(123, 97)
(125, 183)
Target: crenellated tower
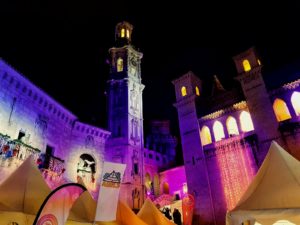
(125, 113)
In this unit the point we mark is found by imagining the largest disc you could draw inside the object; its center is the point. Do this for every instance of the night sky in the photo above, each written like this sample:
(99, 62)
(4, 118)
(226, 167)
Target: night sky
(62, 46)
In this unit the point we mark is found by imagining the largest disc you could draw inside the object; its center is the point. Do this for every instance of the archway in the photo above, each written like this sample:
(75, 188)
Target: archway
(166, 188)
(281, 110)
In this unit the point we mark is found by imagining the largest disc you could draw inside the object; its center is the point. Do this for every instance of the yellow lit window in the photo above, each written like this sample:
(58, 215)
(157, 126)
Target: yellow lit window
(205, 136)
(246, 65)
(258, 61)
(123, 32)
(127, 33)
(232, 127)
(295, 99)
(183, 91)
(281, 110)
(119, 65)
(197, 91)
(246, 122)
(218, 131)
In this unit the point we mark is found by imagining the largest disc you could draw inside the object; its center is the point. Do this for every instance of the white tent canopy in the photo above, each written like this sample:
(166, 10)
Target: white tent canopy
(274, 194)
(22, 194)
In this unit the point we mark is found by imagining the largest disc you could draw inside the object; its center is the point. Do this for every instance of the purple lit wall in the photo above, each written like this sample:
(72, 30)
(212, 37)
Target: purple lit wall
(175, 178)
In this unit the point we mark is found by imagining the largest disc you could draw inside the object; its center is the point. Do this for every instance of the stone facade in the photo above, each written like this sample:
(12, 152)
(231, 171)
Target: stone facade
(33, 123)
(225, 139)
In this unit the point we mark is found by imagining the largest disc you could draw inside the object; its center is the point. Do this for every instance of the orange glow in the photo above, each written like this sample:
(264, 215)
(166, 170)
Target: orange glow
(127, 33)
(281, 110)
(246, 65)
(246, 122)
(218, 131)
(205, 136)
(197, 91)
(122, 33)
(232, 127)
(183, 91)
(295, 99)
(119, 65)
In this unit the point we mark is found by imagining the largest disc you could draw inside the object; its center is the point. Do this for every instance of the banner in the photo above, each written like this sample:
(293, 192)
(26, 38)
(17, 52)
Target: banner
(111, 178)
(188, 203)
(56, 207)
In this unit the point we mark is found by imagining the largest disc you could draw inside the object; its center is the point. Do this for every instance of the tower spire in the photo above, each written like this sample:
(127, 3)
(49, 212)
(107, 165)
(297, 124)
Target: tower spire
(217, 86)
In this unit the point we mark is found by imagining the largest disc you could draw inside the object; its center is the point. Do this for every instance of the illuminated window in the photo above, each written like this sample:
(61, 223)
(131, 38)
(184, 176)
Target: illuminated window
(122, 33)
(246, 65)
(205, 136)
(197, 91)
(246, 122)
(127, 33)
(232, 127)
(119, 65)
(218, 131)
(295, 99)
(258, 61)
(281, 110)
(183, 91)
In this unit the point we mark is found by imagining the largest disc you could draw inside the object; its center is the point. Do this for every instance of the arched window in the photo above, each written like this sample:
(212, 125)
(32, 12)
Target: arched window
(148, 182)
(183, 91)
(246, 121)
(295, 99)
(197, 91)
(281, 110)
(246, 65)
(218, 131)
(232, 127)
(119, 65)
(123, 32)
(127, 33)
(205, 136)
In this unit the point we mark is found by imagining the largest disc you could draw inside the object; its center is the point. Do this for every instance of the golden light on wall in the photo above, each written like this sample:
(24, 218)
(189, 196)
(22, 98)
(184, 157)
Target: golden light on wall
(281, 110)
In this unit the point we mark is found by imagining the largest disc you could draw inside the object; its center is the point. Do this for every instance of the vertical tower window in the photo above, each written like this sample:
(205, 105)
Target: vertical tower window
(183, 91)
(295, 99)
(205, 136)
(281, 110)
(246, 65)
(218, 131)
(122, 32)
(232, 127)
(119, 65)
(246, 122)
(127, 33)
(197, 91)
(259, 62)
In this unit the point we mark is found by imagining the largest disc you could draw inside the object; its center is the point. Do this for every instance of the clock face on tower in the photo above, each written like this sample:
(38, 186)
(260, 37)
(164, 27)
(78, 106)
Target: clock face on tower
(133, 66)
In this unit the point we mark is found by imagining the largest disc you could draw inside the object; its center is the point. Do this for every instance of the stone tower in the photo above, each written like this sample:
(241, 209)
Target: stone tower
(249, 67)
(188, 88)
(125, 114)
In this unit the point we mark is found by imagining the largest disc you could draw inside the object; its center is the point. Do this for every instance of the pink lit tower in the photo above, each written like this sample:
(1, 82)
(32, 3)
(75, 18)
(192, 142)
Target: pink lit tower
(125, 116)
(188, 88)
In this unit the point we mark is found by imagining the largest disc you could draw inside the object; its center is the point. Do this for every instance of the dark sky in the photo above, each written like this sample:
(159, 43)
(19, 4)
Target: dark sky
(62, 46)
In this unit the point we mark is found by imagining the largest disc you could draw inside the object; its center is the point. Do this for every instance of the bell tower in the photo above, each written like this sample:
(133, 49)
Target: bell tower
(125, 113)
